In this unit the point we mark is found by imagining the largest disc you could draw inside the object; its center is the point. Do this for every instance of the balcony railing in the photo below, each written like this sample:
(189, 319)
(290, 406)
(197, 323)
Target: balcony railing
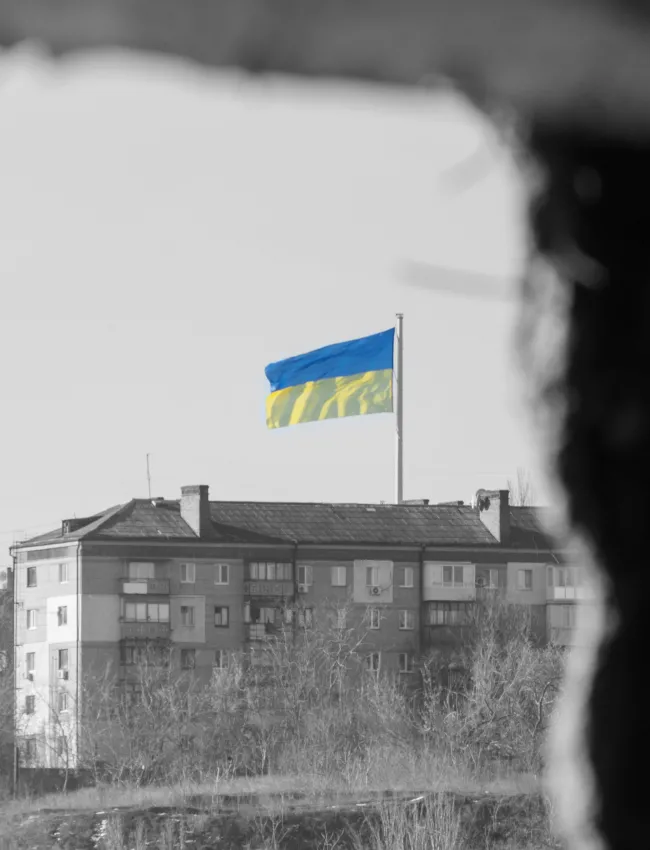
(144, 630)
(561, 593)
(145, 586)
(268, 588)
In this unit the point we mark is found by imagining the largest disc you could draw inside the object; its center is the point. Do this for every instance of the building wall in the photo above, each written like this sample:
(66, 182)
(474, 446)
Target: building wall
(105, 566)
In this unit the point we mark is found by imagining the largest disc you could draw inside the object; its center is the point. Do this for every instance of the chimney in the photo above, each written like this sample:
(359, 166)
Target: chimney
(494, 511)
(195, 508)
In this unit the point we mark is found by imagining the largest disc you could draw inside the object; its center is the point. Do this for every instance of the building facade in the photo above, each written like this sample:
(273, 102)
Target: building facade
(198, 580)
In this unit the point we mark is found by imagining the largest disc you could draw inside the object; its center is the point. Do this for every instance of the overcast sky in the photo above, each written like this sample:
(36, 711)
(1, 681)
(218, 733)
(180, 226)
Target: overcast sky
(166, 232)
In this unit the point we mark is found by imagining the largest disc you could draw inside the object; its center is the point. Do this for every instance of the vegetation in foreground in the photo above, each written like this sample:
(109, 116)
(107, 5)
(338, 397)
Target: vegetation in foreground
(468, 741)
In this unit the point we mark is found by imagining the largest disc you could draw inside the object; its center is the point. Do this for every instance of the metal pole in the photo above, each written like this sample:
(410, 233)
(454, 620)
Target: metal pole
(148, 477)
(399, 399)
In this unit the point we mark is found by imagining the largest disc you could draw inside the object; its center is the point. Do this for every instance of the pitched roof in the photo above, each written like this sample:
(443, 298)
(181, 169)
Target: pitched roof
(528, 528)
(321, 523)
(306, 523)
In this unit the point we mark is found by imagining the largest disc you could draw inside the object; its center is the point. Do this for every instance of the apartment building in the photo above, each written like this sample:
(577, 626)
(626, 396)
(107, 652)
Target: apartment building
(201, 579)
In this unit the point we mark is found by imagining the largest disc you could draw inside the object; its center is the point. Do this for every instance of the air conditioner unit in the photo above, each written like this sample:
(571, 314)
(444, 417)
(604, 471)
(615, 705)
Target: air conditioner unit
(375, 591)
(29, 677)
(303, 588)
(62, 674)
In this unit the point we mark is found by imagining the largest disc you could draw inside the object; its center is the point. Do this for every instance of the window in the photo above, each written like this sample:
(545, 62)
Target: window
(31, 618)
(63, 659)
(339, 576)
(373, 662)
(247, 612)
(188, 659)
(188, 573)
(221, 618)
(30, 749)
(30, 662)
(62, 615)
(63, 574)
(407, 577)
(406, 620)
(221, 659)
(372, 576)
(187, 615)
(143, 612)
(562, 616)
(266, 615)
(139, 570)
(130, 655)
(405, 662)
(305, 618)
(158, 612)
(525, 580)
(270, 571)
(448, 613)
(31, 576)
(375, 617)
(305, 574)
(62, 701)
(30, 704)
(450, 575)
(222, 574)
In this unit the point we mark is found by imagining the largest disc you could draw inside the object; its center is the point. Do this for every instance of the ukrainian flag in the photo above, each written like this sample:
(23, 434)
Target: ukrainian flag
(353, 378)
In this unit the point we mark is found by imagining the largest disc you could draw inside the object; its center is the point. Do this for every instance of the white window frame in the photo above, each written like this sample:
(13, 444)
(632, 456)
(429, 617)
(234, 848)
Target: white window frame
(30, 704)
(221, 659)
(374, 618)
(372, 576)
(335, 575)
(62, 615)
(30, 662)
(60, 658)
(437, 574)
(406, 662)
(406, 615)
(222, 608)
(32, 619)
(219, 570)
(64, 573)
(188, 619)
(31, 571)
(188, 568)
(63, 702)
(370, 659)
(408, 571)
(521, 579)
(305, 574)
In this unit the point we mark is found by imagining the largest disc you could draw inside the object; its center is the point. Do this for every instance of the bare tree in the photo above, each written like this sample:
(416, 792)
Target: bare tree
(522, 491)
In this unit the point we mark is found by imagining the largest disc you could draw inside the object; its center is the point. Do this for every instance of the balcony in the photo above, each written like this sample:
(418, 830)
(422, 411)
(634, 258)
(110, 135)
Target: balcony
(554, 594)
(145, 586)
(268, 588)
(146, 631)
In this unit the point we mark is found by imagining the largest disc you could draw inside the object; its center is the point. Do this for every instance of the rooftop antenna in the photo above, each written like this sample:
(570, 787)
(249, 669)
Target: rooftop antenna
(148, 477)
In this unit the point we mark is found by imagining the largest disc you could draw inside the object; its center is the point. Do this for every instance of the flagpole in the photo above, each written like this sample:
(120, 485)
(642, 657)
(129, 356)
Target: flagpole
(399, 398)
